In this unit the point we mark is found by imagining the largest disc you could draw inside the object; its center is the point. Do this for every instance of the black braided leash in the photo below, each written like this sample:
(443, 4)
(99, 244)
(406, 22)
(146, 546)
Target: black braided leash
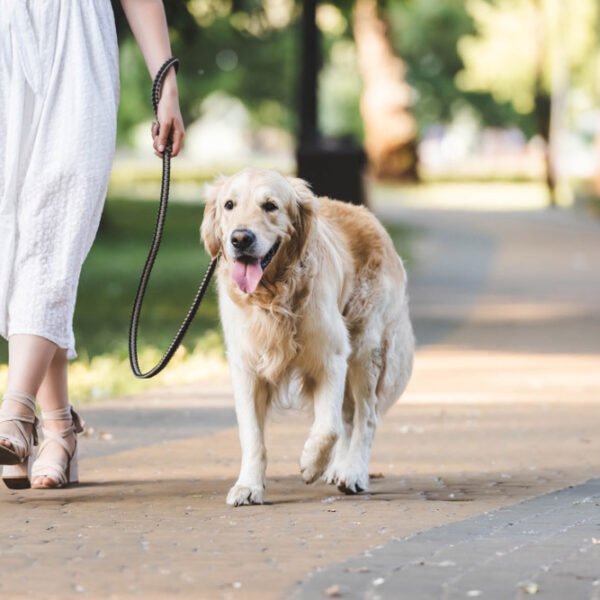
(156, 240)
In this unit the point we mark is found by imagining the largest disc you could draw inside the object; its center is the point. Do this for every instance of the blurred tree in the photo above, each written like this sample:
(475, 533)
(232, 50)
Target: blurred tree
(425, 33)
(528, 52)
(390, 128)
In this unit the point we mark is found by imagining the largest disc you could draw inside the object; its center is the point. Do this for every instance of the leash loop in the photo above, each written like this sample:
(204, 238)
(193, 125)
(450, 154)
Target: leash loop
(152, 254)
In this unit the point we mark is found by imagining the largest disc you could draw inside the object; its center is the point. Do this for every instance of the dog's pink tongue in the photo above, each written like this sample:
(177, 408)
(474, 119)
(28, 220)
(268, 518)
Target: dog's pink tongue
(247, 275)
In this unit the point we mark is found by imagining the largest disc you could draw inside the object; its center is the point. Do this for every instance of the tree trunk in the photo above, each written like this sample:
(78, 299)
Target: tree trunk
(559, 106)
(390, 129)
(549, 105)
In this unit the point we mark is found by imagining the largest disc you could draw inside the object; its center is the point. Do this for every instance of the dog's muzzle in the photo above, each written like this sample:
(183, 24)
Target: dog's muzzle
(268, 257)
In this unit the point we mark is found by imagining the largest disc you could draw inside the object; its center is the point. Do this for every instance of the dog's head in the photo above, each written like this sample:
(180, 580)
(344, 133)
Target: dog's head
(257, 218)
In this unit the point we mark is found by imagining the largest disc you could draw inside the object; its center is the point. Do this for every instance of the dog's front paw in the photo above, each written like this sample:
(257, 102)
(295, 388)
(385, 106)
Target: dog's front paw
(350, 479)
(245, 494)
(315, 456)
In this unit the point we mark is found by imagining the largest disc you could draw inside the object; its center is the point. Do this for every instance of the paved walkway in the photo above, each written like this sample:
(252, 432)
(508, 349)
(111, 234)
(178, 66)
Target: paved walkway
(502, 408)
(542, 546)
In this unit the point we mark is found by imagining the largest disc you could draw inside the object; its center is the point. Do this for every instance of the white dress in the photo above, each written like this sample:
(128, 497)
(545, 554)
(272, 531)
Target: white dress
(59, 87)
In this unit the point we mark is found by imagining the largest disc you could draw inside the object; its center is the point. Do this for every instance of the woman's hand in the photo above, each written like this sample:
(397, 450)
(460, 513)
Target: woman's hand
(170, 124)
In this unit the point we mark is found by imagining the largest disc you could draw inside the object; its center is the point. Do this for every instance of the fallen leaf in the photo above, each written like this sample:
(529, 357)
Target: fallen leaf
(530, 587)
(333, 591)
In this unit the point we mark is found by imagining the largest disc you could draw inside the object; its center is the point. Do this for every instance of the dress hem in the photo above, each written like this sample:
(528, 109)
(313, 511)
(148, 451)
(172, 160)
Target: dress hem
(71, 353)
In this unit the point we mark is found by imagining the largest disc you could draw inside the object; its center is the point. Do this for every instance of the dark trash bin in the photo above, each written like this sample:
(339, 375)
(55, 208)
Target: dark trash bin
(334, 167)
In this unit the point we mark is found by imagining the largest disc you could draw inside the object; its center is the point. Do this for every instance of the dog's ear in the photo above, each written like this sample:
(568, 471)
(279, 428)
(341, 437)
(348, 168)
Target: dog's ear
(210, 230)
(302, 189)
(306, 210)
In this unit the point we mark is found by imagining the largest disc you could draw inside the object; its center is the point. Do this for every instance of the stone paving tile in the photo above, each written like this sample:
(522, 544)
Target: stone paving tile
(548, 547)
(119, 429)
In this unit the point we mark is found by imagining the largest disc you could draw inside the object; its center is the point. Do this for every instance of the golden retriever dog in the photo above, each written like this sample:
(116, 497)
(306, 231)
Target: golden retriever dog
(312, 297)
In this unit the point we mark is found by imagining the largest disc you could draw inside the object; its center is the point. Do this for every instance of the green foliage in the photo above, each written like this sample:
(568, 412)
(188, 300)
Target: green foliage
(533, 54)
(134, 103)
(239, 53)
(340, 84)
(425, 34)
(517, 41)
(340, 87)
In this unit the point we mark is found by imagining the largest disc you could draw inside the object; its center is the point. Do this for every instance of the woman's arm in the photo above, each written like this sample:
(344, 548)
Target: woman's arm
(149, 26)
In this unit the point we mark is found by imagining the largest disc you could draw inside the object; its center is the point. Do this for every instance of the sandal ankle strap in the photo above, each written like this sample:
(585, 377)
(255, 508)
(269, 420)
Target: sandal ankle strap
(65, 414)
(26, 400)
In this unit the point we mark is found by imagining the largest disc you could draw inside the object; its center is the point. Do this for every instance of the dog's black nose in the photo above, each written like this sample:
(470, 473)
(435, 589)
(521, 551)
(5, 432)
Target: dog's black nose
(242, 239)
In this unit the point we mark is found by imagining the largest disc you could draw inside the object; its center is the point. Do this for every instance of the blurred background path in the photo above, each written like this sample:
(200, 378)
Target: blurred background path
(502, 407)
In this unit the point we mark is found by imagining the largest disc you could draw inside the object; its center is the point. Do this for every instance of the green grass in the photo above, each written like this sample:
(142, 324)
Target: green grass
(111, 274)
(107, 288)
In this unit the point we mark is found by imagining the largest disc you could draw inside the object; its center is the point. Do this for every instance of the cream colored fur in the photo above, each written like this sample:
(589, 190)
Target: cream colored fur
(328, 324)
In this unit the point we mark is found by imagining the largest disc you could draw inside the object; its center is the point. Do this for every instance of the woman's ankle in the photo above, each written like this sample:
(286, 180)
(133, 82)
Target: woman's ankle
(18, 404)
(58, 425)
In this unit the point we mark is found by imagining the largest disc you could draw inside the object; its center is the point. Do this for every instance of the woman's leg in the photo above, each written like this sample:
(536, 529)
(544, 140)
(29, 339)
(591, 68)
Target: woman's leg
(53, 395)
(29, 357)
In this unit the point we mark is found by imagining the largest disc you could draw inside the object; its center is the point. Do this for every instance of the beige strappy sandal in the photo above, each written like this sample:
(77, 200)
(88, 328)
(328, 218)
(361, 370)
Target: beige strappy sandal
(61, 472)
(15, 458)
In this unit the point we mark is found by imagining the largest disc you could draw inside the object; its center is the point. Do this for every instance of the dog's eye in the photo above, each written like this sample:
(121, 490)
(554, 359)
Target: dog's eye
(269, 206)
(229, 205)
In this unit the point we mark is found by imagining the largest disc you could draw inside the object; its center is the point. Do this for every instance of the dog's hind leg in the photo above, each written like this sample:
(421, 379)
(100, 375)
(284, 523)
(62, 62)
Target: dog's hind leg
(351, 471)
(341, 447)
(251, 404)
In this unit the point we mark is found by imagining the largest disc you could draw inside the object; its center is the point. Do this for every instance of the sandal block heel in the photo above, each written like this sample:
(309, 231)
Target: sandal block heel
(74, 468)
(16, 477)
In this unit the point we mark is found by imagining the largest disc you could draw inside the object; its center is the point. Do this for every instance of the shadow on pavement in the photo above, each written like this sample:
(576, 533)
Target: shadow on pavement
(467, 487)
